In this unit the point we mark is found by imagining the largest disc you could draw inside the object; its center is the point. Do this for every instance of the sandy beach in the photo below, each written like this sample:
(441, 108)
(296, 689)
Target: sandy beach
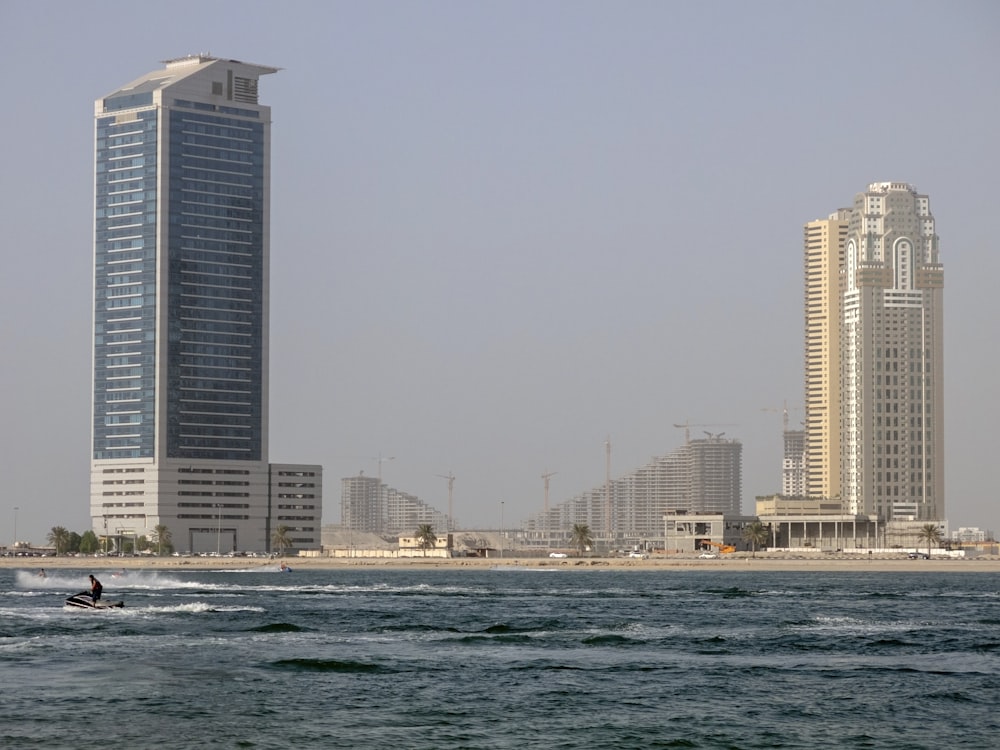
(741, 562)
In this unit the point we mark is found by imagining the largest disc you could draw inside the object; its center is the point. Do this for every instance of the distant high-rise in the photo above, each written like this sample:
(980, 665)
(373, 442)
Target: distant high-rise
(793, 464)
(362, 504)
(715, 474)
(875, 357)
(181, 289)
(702, 476)
(366, 504)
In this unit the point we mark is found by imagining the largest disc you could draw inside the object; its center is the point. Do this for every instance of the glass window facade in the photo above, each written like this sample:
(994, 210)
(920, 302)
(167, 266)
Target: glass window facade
(125, 285)
(215, 290)
(210, 195)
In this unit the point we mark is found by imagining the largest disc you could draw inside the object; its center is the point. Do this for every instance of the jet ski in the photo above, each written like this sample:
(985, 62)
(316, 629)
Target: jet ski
(83, 601)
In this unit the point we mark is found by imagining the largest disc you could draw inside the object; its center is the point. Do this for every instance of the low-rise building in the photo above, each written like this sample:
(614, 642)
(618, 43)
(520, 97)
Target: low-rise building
(411, 546)
(703, 532)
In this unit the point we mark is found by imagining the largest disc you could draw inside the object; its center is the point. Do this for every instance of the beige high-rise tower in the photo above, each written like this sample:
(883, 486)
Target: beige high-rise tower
(874, 360)
(824, 258)
(892, 358)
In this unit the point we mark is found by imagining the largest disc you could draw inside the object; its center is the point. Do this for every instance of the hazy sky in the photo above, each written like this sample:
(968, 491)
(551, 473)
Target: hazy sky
(505, 231)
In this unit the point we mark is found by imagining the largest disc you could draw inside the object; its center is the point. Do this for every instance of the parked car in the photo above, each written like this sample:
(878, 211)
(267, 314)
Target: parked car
(558, 554)
(638, 555)
(918, 556)
(708, 556)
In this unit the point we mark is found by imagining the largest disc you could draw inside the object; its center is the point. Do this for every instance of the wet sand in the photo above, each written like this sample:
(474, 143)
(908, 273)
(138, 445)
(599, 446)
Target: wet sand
(733, 563)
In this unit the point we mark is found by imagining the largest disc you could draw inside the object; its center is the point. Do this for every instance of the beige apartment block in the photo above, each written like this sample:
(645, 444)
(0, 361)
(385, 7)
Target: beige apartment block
(892, 358)
(824, 257)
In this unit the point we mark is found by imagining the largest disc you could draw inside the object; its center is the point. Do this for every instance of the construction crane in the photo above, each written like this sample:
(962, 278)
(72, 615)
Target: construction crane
(451, 486)
(546, 476)
(607, 491)
(686, 426)
(784, 413)
(380, 459)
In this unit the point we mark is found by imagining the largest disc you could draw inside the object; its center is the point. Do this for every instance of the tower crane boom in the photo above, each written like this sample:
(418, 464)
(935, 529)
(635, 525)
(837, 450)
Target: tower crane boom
(451, 486)
(687, 425)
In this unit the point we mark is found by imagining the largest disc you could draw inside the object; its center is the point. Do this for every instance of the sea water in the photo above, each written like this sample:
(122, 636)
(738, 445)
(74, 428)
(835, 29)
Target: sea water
(477, 658)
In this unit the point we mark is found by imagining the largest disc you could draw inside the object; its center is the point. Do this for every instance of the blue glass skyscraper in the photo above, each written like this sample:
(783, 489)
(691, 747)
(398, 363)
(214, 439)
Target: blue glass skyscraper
(181, 247)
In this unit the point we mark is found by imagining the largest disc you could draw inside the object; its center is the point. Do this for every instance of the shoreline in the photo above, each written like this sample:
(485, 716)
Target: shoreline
(763, 562)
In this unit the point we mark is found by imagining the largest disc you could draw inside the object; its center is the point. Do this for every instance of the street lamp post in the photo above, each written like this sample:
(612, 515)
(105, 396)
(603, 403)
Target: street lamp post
(218, 531)
(501, 529)
(16, 509)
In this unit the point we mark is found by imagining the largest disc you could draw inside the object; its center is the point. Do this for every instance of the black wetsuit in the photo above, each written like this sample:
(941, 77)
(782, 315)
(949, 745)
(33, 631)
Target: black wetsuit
(95, 590)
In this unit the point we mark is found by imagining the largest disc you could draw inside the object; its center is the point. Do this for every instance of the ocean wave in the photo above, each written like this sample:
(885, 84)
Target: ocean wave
(731, 592)
(609, 639)
(277, 627)
(329, 665)
(501, 639)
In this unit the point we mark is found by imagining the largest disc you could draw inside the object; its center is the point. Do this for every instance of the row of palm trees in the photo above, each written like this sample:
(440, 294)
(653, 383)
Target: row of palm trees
(65, 541)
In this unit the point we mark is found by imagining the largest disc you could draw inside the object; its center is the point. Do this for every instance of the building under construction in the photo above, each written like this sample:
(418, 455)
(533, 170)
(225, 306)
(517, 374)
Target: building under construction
(368, 505)
(702, 476)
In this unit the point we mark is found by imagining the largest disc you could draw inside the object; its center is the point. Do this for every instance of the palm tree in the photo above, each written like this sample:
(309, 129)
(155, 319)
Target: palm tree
(756, 533)
(425, 537)
(580, 537)
(281, 539)
(931, 534)
(58, 537)
(161, 538)
(89, 543)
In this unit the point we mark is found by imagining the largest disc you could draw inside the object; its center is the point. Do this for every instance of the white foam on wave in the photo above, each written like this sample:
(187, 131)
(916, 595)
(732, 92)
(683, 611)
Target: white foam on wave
(193, 608)
(58, 581)
(133, 580)
(156, 581)
(857, 626)
(117, 584)
(151, 580)
(275, 568)
(32, 613)
(25, 594)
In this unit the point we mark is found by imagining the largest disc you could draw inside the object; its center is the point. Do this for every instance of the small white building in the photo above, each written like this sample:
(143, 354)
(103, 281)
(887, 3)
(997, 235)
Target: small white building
(968, 534)
(409, 546)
